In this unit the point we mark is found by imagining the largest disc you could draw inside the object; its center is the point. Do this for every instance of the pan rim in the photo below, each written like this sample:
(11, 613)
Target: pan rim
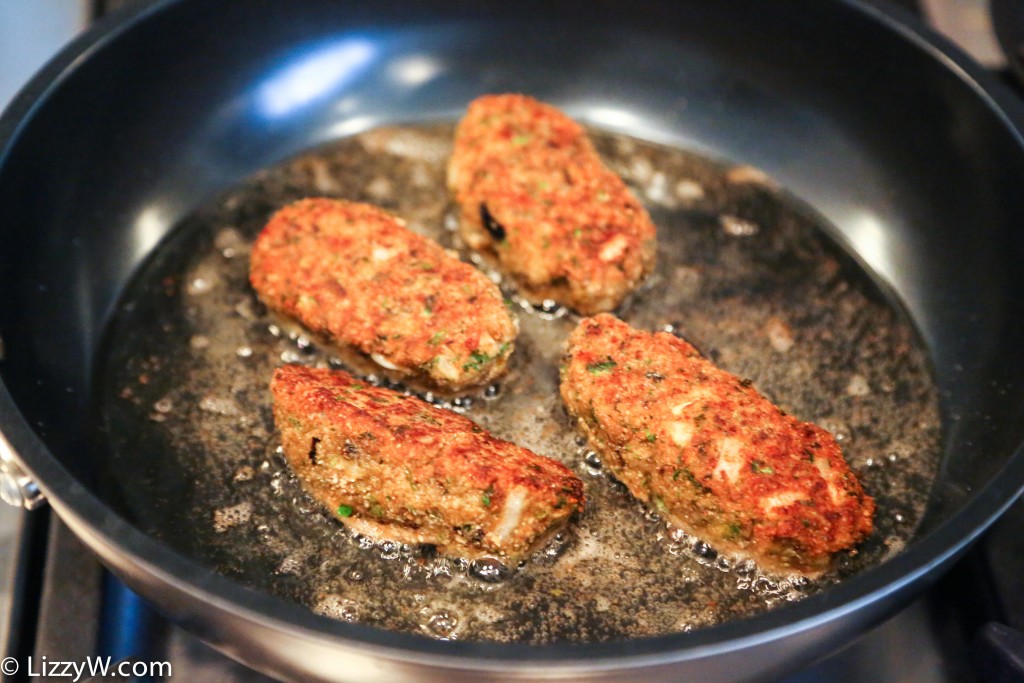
(80, 507)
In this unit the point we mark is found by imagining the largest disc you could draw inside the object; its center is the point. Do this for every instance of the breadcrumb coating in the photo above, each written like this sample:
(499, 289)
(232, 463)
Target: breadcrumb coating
(705, 449)
(533, 192)
(354, 275)
(396, 467)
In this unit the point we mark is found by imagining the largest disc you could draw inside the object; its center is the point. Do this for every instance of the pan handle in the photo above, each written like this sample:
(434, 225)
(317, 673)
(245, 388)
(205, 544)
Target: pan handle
(17, 488)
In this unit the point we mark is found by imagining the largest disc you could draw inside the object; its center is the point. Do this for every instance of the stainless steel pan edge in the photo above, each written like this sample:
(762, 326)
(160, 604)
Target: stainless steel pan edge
(245, 624)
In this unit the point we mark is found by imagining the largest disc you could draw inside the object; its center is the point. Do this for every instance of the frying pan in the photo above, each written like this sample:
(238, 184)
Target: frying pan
(895, 138)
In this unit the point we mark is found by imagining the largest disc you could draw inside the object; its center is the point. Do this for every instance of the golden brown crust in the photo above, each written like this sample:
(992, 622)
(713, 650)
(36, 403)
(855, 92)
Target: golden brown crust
(572, 230)
(707, 450)
(352, 274)
(409, 471)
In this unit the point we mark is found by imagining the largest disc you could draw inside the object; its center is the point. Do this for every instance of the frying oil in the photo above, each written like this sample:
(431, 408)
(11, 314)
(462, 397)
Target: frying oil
(745, 273)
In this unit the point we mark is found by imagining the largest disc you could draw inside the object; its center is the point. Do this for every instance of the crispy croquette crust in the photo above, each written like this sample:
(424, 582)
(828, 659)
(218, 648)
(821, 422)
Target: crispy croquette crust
(533, 192)
(395, 467)
(705, 449)
(354, 275)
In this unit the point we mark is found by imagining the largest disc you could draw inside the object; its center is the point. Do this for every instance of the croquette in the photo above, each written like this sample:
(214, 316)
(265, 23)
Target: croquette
(395, 467)
(354, 275)
(534, 193)
(706, 450)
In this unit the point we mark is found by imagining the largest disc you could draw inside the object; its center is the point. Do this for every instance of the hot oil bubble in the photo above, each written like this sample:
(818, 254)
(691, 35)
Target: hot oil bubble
(229, 242)
(290, 356)
(689, 190)
(771, 588)
(489, 570)
(858, 386)
(389, 550)
(675, 549)
(765, 585)
(292, 564)
(657, 190)
(461, 404)
(200, 285)
(161, 410)
(415, 572)
(746, 567)
(229, 517)
(245, 473)
(652, 521)
(734, 226)
(592, 461)
(549, 309)
(442, 568)
(337, 607)
(441, 623)
(704, 551)
(219, 405)
(837, 428)
(557, 545)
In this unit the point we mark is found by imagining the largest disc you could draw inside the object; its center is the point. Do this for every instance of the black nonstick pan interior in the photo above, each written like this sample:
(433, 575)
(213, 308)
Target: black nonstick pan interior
(913, 164)
(743, 271)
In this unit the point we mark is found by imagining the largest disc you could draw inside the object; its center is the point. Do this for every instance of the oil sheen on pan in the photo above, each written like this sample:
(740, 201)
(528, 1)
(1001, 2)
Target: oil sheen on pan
(745, 273)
